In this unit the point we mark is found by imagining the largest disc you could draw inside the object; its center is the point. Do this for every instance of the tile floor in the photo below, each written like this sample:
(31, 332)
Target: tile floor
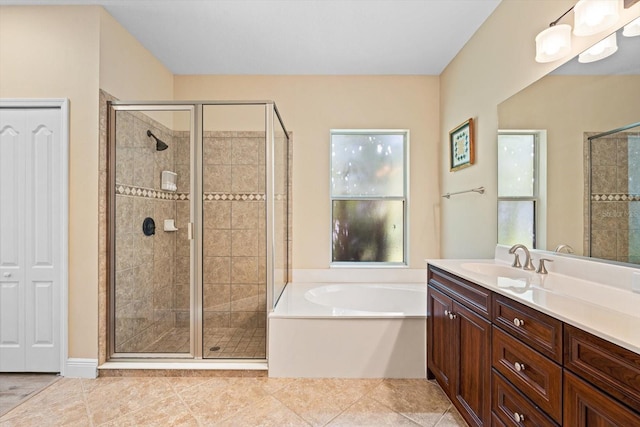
(15, 388)
(235, 401)
(219, 343)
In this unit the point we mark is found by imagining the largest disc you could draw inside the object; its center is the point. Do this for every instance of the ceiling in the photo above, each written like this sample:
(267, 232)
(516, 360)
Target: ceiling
(408, 37)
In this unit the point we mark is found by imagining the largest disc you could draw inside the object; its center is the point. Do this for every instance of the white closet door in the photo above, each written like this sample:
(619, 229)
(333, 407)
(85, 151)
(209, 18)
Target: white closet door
(30, 262)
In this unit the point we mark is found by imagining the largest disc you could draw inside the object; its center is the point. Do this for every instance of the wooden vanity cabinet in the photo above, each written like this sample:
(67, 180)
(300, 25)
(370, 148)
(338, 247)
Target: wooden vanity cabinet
(477, 338)
(586, 406)
(611, 368)
(459, 344)
(611, 397)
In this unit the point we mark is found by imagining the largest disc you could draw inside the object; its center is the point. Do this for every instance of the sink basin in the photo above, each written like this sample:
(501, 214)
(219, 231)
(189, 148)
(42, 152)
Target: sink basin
(496, 270)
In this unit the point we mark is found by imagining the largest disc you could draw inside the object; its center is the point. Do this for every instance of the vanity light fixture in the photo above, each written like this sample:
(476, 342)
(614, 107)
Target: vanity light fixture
(554, 42)
(594, 16)
(632, 29)
(590, 17)
(600, 50)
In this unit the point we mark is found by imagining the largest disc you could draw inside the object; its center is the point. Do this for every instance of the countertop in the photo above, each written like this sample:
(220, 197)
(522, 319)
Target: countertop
(611, 313)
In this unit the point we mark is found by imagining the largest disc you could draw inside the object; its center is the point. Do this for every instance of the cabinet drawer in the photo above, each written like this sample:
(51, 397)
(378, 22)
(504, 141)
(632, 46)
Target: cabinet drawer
(533, 374)
(473, 296)
(508, 405)
(614, 369)
(542, 332)
(585, 405)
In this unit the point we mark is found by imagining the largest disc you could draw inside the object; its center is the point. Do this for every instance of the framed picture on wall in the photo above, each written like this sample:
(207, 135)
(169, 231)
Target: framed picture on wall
(461, 146)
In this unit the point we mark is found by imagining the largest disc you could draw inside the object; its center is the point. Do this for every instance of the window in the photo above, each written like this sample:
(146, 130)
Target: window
(521, 189)
(369, 196)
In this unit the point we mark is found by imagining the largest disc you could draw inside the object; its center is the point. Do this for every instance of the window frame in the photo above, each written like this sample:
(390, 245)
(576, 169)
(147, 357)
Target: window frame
(539, 185)
(405, 198)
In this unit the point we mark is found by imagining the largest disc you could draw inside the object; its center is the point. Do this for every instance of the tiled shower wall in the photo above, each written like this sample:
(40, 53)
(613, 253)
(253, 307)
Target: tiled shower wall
(145, 265)
(234, 230)
(615, 197)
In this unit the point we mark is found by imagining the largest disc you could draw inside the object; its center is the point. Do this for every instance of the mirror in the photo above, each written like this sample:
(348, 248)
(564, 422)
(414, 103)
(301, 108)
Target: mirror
(575, 101)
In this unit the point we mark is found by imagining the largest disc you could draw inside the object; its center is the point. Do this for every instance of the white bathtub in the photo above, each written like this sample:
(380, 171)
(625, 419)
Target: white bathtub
(349, 330)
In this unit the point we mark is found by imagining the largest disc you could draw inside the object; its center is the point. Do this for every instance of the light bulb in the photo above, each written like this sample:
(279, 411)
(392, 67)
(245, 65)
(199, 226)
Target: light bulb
(600, 50)
(594, 16)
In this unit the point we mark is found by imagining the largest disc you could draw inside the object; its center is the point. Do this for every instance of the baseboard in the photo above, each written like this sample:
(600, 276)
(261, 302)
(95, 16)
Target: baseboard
(81, 368)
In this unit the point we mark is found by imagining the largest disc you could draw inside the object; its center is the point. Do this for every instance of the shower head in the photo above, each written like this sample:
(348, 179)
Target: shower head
(160, 144)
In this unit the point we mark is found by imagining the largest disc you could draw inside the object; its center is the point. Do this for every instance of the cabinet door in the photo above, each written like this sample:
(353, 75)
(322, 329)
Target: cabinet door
(472, 385)
(440, 355)
(586, 406)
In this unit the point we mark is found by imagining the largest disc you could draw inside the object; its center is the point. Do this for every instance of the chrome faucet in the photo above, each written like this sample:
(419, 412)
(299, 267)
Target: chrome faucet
(568, 248)
(528, 265)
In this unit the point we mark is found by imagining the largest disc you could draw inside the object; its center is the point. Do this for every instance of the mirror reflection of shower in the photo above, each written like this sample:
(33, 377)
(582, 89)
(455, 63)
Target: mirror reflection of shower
(160, 144)
(614, 198)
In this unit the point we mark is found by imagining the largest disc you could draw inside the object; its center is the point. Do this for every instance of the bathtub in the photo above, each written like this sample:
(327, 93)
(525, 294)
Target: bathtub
(349, 330)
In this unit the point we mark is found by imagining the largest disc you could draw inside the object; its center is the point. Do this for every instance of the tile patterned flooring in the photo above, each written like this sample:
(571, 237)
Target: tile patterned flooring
(15, 388)
(236, 401)
(229, 343)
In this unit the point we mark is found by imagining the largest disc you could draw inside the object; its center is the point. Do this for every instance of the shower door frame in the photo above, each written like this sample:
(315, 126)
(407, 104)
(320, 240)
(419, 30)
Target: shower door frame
(196, 321)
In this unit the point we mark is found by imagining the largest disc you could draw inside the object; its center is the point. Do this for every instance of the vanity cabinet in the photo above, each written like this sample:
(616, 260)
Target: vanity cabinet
(586, 406)
(459, 344)
(527, 355)
(503, 363)
(615, 374)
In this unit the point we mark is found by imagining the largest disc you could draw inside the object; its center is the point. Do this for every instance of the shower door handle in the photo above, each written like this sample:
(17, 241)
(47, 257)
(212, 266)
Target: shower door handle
(190, 231)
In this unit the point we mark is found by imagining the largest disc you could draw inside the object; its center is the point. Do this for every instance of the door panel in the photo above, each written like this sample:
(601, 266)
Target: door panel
(150, 178)
(11, 189)
(30, 235)
(473, 385)
(12, 350)
(41, 215)
(441, 357)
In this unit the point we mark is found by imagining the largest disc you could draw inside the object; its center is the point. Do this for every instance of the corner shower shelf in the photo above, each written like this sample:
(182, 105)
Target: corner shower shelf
(169, 181)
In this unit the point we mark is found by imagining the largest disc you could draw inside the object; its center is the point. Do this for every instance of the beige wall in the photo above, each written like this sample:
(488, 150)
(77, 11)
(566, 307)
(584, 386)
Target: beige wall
(52, 52)
(70, 52)
(596, 104)
(127, 69)
(310, 107)
(496, 63)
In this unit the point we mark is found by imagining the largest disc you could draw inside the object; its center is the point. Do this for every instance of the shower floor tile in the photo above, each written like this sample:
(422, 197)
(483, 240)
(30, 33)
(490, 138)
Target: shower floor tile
(236, 401)
(219, 343)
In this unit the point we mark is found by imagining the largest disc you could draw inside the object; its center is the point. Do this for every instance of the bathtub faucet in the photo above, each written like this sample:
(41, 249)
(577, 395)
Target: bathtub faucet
(528, 265)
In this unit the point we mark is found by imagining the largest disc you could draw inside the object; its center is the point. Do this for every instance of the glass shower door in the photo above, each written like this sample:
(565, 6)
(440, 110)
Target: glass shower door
(150, 150)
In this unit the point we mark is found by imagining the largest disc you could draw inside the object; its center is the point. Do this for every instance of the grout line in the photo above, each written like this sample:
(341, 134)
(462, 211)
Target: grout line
(85, 399)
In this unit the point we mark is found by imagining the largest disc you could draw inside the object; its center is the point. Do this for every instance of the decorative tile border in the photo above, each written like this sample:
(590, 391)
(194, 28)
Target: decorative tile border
(207, 197)
(615, 197)
(149, 193)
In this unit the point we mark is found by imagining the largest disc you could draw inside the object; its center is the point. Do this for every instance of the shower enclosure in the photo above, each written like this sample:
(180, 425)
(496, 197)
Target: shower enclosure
(613, 196)
(199, 228)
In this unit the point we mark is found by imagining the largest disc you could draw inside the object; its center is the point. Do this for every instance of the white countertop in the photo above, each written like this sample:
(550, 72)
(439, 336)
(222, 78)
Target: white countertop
(609, 312)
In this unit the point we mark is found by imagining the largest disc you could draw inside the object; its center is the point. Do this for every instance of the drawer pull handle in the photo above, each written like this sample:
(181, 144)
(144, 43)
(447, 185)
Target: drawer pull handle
(446, 312)
(452, 316)
(519, 366)
(7, 274)
(518, 322)
(518, 417)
